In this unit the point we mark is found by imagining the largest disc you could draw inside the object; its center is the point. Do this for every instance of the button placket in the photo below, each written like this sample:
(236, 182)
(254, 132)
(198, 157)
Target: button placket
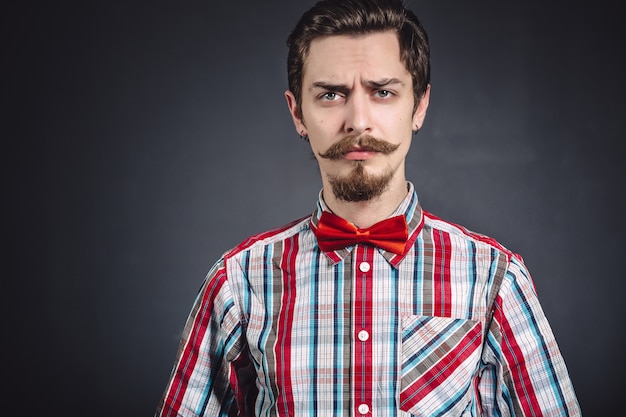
(363, 320)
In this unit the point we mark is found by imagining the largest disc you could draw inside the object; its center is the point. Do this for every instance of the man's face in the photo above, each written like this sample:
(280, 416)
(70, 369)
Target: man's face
(357, 110)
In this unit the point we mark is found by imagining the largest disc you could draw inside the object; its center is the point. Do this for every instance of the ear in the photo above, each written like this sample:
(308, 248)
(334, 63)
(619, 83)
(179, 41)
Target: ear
(420, 112)
(295, 113)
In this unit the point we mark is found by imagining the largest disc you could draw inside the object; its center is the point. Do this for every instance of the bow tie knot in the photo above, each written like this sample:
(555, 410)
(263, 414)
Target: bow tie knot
(362, 235)
(335, 233)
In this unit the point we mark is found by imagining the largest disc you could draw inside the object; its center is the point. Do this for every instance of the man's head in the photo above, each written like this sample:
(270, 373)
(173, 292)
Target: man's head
(358, 17)
(359, 87)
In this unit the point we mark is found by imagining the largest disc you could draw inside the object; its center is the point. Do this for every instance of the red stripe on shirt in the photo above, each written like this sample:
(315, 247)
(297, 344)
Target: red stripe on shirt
(517, 364)
(284, 402)
(442, 288)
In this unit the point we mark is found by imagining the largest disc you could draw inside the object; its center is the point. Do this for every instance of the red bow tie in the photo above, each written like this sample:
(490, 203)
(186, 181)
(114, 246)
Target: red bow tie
(335, 233)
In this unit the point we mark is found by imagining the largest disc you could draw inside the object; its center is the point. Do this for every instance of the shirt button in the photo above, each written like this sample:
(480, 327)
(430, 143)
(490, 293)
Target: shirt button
(364, 266)
(364, 409)
(363, 335)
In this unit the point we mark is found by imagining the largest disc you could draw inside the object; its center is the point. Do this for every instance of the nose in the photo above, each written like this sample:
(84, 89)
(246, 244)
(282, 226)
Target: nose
(358, 114)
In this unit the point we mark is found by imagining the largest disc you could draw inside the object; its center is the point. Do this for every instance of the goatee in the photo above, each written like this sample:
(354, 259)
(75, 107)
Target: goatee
(358, 185)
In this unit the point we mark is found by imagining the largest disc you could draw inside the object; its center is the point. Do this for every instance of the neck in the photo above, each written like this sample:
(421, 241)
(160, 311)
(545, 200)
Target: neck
(366, 213)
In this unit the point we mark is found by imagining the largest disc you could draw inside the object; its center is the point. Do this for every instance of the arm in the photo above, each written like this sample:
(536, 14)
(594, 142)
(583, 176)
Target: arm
(524, 373)
(204, 379)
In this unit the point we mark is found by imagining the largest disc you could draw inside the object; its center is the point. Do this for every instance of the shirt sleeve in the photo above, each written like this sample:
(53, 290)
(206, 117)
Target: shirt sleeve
(523, 371)
(204, 380)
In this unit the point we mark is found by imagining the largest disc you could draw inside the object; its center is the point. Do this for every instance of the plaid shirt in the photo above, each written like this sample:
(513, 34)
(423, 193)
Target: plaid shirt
(450, 327)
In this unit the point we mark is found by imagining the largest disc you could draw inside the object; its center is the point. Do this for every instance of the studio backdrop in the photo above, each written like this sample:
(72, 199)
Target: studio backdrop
(144, 139)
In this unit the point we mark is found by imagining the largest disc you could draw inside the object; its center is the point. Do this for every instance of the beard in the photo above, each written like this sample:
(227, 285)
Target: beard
(358, 185)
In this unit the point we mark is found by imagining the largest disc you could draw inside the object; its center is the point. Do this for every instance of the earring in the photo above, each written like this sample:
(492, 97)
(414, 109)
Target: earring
(304, 136)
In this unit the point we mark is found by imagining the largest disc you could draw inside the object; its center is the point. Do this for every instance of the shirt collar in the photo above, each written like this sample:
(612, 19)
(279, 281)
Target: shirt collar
(409, 207)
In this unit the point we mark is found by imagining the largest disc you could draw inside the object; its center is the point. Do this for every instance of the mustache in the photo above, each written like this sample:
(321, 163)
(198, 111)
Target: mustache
(364, 143)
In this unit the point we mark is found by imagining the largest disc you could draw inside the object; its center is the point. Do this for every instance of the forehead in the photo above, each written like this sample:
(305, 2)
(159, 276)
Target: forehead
(344, 57)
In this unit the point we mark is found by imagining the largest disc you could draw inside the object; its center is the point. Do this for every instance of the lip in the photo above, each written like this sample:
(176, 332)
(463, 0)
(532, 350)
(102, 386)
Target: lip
(358, 154)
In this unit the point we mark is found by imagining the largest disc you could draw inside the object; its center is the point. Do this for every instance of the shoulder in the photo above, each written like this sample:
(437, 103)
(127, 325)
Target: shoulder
(435, 223)
(271, 236)
(510, 269)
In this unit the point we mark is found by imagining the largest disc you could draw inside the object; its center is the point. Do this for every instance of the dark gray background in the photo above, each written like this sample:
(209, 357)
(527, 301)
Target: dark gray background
(143, 139)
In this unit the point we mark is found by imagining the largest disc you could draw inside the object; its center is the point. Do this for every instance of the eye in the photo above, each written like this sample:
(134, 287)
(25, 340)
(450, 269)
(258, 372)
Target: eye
(329, 96)
(383, 93)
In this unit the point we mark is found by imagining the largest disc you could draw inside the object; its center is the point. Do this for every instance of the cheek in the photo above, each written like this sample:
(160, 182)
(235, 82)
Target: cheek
(328, 121)
(319, 129)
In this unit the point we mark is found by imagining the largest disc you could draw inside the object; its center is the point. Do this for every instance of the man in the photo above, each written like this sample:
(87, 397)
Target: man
(371, 305)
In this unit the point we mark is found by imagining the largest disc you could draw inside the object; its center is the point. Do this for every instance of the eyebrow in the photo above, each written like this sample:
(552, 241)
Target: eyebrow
(385, 82)
(321, 85)
(374, 84)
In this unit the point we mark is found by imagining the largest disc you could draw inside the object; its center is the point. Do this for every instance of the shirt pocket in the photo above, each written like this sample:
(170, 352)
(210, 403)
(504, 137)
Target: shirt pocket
(440, 356)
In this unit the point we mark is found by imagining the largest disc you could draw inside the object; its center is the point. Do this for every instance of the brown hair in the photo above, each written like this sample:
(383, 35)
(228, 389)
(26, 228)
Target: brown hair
(354, 17)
